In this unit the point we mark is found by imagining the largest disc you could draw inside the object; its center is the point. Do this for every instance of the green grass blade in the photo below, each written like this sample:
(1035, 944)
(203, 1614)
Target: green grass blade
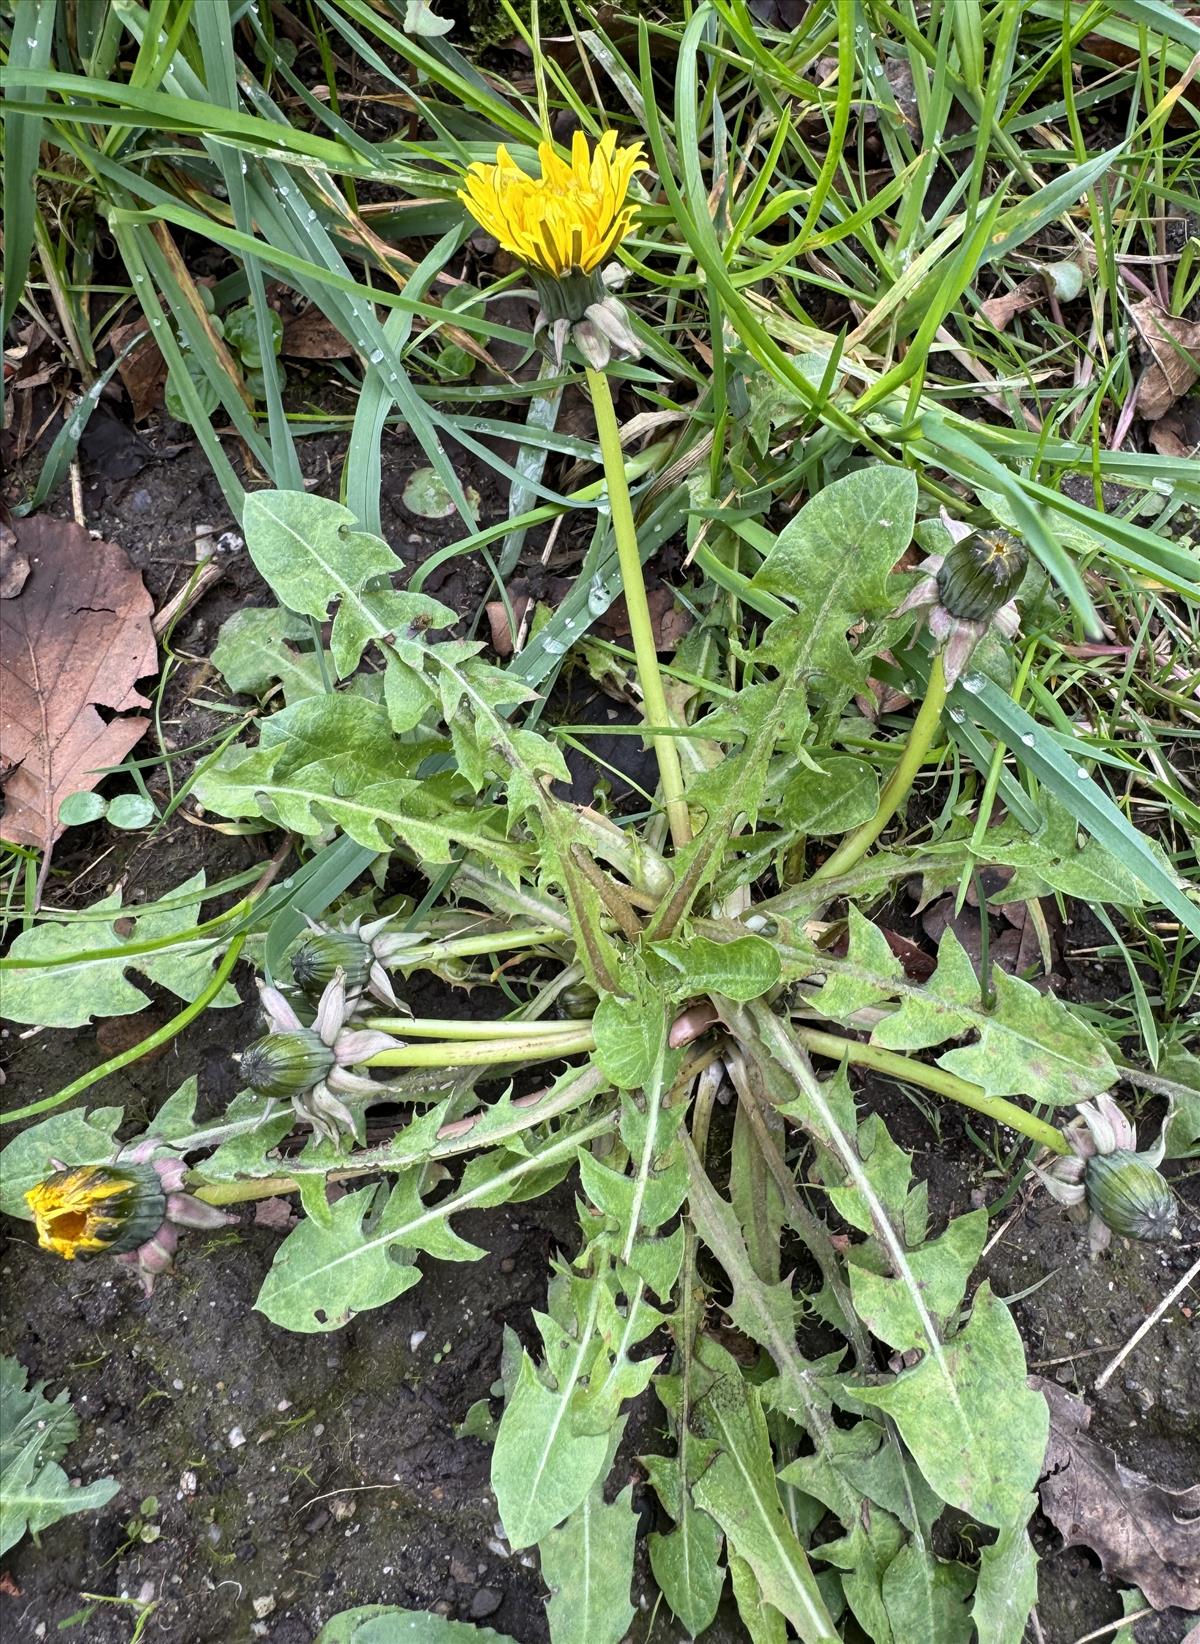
(32, 35)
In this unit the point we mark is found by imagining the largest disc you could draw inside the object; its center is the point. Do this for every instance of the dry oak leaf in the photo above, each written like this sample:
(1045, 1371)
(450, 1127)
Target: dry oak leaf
(76, 638)
(1142, 1534)
(310, 335)
(1171, 345)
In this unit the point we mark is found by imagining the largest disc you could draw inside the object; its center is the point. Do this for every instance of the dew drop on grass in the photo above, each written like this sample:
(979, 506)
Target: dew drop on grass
(1029, 739)
(597, 596)
(957, 715)
(1082, 774)
(553, 647)
(375, 356)
(973, 683)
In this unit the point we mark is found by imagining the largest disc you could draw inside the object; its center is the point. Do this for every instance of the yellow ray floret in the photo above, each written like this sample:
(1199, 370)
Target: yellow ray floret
(74, 1212)
(568, 220)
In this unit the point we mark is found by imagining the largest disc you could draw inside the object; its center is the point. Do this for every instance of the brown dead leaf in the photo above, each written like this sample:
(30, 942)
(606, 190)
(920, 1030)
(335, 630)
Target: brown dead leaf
(1143, 1535)
(503, 639)
(1004, 307)
(1116, 51)
(14, 567)
(121, 1033)
(143, 370)
(1171, 346)
(668, 623)
(276, 1213)
(310, 336)
(965, 924)
(919, 966)
(8, 1586)
(1178, 433)
(76, 638)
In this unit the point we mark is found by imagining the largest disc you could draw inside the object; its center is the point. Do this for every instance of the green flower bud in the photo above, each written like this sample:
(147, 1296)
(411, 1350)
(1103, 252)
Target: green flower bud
(320, 956)
(1128, 1196)
(285, 1064)
(980, 574)
(98, 1209)
(567, 296)
(578, 1001)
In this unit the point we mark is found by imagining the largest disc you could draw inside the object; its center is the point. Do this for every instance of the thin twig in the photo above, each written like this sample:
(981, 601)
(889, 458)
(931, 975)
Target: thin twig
(77, 508)
(192, 591)
(1147, 1325)
(1115, 1626)
(346, 1490)
(1069, 1358)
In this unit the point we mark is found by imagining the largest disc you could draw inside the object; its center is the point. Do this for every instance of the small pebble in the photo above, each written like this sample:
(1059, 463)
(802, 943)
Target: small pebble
(236, 1438)
(485, 1602)
(263, 1606)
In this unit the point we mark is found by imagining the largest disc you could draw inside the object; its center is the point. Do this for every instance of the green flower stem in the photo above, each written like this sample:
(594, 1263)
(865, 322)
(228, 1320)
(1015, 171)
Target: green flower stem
(654, 701)
(131, 950)
(437, 1027)
(936, 1079)
(463, 947)
(258, 1187)
(163, 1036)
(264, 1187)
(896, 789)
(480, 1053)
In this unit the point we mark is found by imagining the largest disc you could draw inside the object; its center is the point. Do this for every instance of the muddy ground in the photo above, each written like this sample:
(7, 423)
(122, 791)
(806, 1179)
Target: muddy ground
(297, 1476)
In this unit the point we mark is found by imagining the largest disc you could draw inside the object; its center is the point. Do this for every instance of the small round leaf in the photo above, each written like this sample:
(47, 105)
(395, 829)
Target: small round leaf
(131, 810)
(78, 808)
(426, 495)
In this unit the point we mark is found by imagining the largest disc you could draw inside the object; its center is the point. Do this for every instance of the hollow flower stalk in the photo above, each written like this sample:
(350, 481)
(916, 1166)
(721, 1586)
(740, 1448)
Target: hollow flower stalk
(563, 226)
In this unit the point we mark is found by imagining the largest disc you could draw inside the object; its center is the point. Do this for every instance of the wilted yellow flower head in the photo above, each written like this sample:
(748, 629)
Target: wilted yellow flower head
(131, 1209)
(568, 220)
(84, 1211)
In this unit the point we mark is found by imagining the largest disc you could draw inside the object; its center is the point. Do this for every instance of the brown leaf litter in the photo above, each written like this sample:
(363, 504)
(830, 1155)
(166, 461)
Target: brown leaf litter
(1143, 1535)
(75, 638)
(1171, 347)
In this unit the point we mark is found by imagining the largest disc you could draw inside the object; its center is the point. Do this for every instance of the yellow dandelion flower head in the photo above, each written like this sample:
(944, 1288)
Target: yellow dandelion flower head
(568, 220)
(90, 1209)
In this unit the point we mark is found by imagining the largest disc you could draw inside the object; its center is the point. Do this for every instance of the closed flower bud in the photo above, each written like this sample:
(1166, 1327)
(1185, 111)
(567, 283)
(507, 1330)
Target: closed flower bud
(578, 1002)
(981, 573)
(97, 1210)
(286, 1064)
(320, 956)
(1129, 1196)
